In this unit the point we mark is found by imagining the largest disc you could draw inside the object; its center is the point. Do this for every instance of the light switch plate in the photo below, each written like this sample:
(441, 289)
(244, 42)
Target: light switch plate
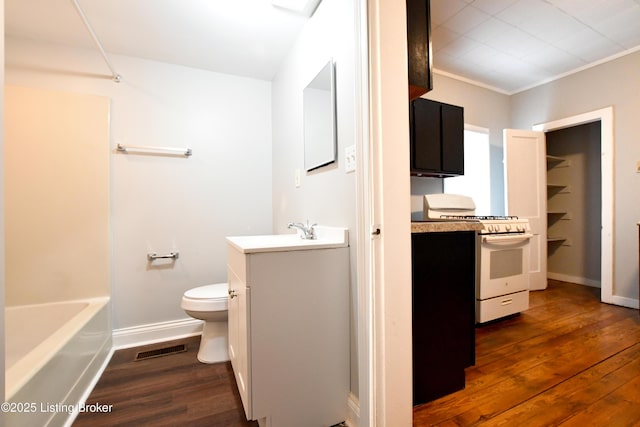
(350, 159)
(297, 178)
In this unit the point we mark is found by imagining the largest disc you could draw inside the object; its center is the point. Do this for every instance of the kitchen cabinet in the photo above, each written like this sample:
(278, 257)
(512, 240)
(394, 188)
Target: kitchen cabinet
(443, 311)
(419, 47)
(288, 320)
(437, 138)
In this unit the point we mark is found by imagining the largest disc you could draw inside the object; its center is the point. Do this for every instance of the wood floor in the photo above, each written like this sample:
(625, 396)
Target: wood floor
(171, 390)
(567, 361)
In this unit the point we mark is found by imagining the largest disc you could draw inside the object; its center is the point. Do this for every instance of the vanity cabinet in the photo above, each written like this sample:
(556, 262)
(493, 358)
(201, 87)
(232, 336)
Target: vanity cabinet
(288, 320)
(419, 47)
(437, 138)
(443, 311)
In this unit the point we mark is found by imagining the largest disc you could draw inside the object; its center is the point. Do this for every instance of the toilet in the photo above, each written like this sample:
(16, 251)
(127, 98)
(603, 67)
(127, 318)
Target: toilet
(209, 303)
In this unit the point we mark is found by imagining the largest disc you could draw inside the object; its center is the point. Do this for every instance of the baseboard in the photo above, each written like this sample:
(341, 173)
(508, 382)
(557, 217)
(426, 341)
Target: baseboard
(616, 300)
(353, 411)
(625, 302)
(155, 332)
(573, 279)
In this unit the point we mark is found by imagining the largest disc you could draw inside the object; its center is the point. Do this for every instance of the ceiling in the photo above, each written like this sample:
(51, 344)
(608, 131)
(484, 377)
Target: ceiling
(508, 45)
(241, 37)
(511, 45)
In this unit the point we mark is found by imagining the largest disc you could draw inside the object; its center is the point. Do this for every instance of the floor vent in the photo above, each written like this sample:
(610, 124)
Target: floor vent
(143, 355)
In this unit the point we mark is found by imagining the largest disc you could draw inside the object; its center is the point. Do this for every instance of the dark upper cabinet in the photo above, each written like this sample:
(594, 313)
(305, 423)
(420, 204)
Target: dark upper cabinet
(419, 47)
(437, 138)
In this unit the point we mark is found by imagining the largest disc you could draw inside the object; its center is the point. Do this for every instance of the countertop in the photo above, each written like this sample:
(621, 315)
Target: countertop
(444, 226)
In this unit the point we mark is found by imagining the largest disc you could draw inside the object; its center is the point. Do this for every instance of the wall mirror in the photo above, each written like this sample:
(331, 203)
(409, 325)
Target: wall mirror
(319, 112)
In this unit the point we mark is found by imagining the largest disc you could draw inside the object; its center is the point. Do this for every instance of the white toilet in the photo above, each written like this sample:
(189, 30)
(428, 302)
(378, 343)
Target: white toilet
(209, 303)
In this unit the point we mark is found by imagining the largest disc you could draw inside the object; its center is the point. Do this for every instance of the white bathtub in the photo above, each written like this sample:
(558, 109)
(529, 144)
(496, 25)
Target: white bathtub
(53, 352)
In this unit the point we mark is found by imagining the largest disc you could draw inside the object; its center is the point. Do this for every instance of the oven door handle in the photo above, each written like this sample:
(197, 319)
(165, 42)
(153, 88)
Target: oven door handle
(515, 238)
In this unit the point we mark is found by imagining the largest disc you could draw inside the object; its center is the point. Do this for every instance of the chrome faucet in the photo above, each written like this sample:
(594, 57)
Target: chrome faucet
(307, 231)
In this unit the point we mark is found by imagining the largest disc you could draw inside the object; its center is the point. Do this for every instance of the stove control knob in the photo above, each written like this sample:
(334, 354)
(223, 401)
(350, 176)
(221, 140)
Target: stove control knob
(507, 227)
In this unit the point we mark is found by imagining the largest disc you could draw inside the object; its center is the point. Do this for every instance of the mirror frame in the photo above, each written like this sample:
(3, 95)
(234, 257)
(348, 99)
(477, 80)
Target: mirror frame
(329, 148)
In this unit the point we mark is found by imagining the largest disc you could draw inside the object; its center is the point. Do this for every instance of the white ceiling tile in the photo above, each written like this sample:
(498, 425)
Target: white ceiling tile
(516, 43)
(466, 19)
(523, 10)
(459, 47)
(588, 45)
(490, 29)
(552, 25)
(492, 7)
(442, 37)
(554, 60)
(621, 27)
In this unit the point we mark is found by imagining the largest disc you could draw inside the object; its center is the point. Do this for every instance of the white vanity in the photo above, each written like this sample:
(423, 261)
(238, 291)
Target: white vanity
(289, 326)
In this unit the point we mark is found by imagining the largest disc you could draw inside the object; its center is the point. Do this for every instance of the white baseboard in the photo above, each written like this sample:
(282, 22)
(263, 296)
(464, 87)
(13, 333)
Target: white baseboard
(353, 411)
(625, 302)
(155, 332)
(574, 279)
(616, 300)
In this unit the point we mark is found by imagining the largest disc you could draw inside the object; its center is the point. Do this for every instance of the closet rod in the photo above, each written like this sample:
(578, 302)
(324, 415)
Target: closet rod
(115, 76)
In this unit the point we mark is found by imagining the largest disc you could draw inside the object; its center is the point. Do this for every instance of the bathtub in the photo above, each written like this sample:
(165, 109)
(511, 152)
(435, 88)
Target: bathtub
(53, 354)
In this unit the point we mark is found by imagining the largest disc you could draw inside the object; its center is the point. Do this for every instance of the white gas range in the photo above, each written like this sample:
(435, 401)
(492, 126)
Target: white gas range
(502, 255)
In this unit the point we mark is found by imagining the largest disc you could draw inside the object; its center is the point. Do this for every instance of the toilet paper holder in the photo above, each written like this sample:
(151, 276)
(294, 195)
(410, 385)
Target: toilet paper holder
(152, 256)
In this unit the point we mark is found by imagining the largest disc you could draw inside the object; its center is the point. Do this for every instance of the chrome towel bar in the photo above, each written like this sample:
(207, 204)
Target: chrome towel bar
(149, 149)
(152, 256)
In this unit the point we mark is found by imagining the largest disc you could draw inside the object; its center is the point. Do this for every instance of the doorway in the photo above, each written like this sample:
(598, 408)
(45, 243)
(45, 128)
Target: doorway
(605, 117)
(574, 202)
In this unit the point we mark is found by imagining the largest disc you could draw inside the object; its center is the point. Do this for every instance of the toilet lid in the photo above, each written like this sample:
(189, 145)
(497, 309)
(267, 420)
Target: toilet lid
(218, 290)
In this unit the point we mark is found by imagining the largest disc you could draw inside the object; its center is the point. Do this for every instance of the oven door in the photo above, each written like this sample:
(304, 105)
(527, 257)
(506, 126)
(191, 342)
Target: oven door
(504, 264)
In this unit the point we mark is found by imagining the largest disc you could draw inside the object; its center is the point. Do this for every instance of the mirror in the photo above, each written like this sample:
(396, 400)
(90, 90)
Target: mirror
(319, 114)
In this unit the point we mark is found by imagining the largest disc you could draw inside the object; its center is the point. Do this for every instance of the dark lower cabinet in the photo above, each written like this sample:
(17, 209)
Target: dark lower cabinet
(443, 304)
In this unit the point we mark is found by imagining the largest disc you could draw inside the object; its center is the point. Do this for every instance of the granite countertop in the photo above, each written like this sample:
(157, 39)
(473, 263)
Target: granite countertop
(444, 226)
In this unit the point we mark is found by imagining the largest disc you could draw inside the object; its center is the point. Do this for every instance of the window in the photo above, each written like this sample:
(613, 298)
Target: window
(476, 181)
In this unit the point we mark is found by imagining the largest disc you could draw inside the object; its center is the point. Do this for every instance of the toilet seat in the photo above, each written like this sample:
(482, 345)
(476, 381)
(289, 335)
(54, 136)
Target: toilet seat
(206, 298)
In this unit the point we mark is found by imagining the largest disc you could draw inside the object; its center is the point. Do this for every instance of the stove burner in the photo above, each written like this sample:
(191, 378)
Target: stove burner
(481, 217)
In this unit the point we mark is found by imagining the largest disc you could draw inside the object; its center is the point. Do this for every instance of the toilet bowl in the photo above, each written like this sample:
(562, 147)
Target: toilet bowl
(209, 303)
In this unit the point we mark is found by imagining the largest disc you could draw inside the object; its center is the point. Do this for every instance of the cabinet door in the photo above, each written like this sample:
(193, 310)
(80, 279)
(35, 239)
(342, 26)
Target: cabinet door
(425, 136)
(443, 312)
(238, 309)
(419, 47)
(452, 139)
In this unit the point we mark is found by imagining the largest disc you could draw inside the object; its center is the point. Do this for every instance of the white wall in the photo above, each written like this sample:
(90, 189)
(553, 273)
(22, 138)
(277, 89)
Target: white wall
(327, 195)
(162, 203)
(614, 83)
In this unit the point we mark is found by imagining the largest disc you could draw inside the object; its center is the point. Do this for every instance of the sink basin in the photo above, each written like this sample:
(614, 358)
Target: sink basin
(327, 237)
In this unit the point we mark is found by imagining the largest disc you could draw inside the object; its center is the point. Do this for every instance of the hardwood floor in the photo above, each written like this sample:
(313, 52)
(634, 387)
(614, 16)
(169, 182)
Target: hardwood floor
(567, 361)
(170, 390)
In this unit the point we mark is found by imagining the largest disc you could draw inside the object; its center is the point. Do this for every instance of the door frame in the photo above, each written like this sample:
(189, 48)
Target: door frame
(605, 116)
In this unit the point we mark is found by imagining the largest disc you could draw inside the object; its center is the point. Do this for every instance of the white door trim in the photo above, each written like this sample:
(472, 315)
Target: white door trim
(390, 208)
(605, 116)
(362, 406)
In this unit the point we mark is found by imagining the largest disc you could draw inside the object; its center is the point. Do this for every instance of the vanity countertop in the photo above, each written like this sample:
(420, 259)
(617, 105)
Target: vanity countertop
(444, 226)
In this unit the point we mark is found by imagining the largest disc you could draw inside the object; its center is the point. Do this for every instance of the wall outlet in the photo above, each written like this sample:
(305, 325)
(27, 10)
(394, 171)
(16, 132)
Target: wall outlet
(297, 178)
(350, 159)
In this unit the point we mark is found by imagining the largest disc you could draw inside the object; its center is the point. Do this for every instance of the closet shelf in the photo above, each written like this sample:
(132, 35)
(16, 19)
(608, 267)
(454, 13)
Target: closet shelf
(555, 161)
(556, 239)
